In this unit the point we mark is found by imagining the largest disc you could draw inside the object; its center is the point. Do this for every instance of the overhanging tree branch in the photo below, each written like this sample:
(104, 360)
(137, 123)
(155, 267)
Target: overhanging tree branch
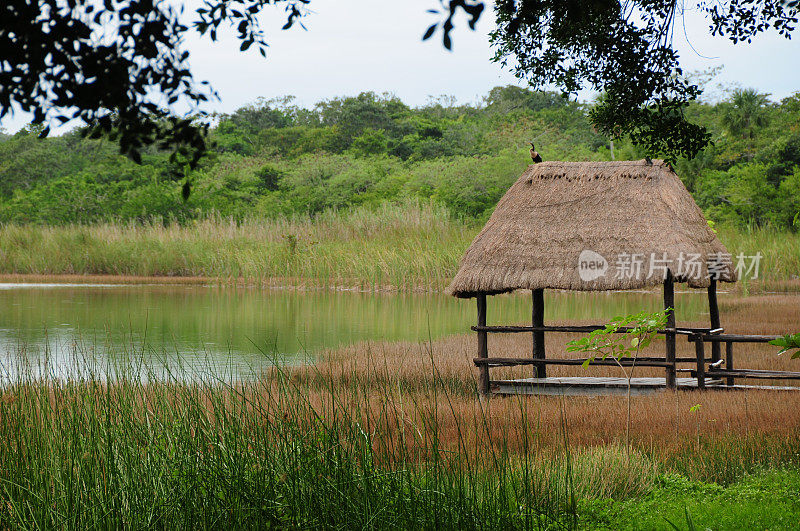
(623, 50)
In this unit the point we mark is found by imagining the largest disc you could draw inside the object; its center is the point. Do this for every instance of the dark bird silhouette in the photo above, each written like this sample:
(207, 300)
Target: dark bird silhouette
(534, 154)
(648, 161)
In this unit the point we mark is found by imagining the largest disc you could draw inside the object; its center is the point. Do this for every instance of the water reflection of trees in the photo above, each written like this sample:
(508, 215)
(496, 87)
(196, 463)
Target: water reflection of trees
(191, 327)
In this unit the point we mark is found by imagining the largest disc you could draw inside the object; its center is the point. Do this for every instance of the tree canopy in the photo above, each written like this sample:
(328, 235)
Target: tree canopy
(120, 65)
(275, 158)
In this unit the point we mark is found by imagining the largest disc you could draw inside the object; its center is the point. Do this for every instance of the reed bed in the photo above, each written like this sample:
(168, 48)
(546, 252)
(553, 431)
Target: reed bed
(780, 261)
(123, 448)
(152, 450)
(409, 246)
(373, 435)
(731, 433)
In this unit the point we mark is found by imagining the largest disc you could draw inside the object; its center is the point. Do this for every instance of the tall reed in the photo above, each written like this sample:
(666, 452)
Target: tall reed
(122, 447)
(407, 246)
(413, 245)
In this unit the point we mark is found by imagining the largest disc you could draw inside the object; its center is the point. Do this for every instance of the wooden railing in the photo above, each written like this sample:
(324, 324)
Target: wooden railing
(698, 336)
(484, 362)
(586, 328)
(729, 372)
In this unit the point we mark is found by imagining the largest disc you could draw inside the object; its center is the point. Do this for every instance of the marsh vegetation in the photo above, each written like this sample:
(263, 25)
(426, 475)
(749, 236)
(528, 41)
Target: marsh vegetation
(384, 434)
(407, 247)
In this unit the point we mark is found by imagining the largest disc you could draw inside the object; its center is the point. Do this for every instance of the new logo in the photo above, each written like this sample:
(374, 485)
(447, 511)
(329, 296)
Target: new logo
(591, 265)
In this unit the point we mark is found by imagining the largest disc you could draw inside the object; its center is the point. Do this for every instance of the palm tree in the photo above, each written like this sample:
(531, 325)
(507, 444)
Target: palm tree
(745, 112)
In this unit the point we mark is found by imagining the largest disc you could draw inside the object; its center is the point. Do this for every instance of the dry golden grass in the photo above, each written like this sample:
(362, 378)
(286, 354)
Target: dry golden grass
(101, 279)
(397, 385)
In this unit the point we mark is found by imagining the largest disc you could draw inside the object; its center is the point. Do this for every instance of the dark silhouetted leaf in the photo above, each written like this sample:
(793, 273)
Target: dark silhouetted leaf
(429, 32)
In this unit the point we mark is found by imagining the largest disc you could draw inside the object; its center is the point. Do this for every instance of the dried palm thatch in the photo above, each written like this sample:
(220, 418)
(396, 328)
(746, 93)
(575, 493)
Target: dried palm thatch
(627, 212)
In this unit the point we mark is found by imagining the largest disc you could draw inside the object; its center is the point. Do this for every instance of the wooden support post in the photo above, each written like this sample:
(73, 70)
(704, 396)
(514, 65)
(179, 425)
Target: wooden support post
(537, 319)
(713, 310)
(701, 363)
(483, 349)
(729, 360)
(669, 302)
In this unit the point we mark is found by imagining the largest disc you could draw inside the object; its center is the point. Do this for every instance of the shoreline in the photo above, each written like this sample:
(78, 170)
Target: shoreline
(398, 250)
(38, 278)
(770, 287)
(276, 283)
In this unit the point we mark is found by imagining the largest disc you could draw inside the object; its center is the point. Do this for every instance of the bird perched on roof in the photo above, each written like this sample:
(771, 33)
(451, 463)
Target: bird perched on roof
(534, 154)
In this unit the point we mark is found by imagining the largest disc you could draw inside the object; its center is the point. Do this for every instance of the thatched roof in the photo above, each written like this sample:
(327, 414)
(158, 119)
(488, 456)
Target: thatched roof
(558, 210)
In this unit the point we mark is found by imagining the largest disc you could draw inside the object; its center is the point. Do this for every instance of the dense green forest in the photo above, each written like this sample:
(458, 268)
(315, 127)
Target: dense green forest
(275, 158)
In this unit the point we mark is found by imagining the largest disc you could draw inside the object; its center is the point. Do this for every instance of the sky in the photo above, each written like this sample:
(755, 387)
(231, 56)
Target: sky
(352, 46)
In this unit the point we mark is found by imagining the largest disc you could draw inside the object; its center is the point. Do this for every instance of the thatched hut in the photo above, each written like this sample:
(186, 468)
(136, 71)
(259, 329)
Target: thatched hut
(592, 226)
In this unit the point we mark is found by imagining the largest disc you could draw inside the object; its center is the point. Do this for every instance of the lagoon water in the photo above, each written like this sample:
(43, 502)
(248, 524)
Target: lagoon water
(194, 332)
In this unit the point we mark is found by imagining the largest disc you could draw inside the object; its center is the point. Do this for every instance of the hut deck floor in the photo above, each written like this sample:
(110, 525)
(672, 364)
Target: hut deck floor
(594, 386)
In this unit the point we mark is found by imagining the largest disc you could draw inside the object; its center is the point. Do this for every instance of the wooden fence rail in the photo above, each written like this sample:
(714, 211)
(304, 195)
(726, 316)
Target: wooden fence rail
(587, 328)
(731, 338)
(729, 372)
(702, 368)
(625, 362)
(754, 373)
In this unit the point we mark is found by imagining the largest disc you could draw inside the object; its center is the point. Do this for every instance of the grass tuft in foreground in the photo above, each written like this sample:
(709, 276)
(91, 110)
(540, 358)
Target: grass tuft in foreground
(130, 451)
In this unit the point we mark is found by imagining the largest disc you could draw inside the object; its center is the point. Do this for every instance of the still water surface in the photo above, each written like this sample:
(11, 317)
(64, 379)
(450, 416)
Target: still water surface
(234, 332)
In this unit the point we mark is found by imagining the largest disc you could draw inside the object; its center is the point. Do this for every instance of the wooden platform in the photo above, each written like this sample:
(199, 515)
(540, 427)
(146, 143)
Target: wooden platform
(597, 386)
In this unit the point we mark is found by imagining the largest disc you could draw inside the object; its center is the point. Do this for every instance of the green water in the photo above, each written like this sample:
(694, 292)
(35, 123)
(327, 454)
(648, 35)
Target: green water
(190, 329)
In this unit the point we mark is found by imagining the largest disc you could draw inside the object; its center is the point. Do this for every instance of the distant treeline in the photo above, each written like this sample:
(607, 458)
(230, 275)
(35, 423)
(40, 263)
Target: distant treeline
(274, 158)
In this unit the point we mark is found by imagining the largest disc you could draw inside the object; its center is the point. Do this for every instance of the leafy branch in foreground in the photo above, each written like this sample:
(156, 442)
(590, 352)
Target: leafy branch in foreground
(620, 340)
(119, 66)
(787, 343)
(625, 50)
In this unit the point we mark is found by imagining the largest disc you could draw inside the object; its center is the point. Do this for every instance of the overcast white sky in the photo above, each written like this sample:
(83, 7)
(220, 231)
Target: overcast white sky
(360, 45)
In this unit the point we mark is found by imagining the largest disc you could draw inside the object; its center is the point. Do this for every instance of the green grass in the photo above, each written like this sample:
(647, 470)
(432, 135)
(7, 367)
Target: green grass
(780, 250)
(409, 246)
(767, 500)
(97, 453)
(413, 246)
